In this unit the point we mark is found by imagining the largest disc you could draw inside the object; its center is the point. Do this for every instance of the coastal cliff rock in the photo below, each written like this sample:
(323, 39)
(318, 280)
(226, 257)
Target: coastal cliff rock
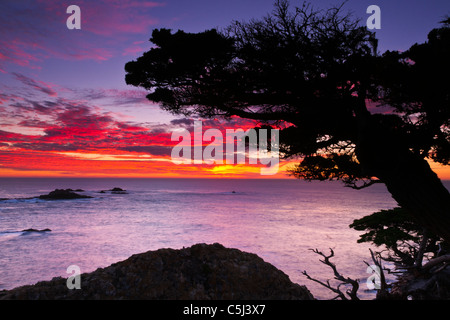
(200, 272)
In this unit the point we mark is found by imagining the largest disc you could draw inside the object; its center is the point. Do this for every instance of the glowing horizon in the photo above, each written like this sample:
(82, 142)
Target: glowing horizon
(67, 112)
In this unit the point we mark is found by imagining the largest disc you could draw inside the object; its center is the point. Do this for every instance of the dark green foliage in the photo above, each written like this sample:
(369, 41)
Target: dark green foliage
(296, 67)
(386, 227)
(332, 167)
(308, 68)
(415, 84)
(177, 64)
(406, 241)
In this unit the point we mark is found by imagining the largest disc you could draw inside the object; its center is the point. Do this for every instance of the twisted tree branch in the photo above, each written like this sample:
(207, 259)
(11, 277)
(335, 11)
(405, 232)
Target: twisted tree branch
(344, 281)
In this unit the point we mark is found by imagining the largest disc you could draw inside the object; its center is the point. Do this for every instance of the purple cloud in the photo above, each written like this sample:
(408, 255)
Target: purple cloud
(36, 84)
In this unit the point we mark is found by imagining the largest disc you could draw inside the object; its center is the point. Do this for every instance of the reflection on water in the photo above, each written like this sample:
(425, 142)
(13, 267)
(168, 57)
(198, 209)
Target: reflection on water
(280, 220)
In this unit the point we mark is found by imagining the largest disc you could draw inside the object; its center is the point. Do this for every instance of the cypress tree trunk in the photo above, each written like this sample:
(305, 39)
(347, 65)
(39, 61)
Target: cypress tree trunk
(418, 189)
(407, 177)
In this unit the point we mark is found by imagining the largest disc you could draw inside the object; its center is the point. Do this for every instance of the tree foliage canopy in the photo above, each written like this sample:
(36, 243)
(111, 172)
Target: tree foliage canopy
(318, 75)
(415, 84)
(313, 69)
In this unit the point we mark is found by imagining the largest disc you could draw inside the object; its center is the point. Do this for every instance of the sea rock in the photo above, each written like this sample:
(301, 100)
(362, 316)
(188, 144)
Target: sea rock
(63, 194)
(200, 272)
(36, 230)
(117, 190)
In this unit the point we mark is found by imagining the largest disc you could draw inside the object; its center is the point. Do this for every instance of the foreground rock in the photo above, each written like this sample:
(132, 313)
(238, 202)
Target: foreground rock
(63, 194)
(200, 272)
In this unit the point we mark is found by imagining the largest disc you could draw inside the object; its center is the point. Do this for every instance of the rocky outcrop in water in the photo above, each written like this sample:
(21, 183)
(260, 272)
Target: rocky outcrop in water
(115, 190)
(63, 194)
(200, 272)
(36, 230)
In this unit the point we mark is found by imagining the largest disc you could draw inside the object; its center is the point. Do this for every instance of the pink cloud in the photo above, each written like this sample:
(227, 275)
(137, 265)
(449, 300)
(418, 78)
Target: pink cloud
(39, 31)
(76, 126)
(139, 4)
(110, 17)
(98, 54)
(18, 52)
(36, 84)
(133, 51)
(115, 22)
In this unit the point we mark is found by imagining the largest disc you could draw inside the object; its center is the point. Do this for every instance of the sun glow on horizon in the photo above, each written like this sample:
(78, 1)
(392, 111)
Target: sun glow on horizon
(90, 165)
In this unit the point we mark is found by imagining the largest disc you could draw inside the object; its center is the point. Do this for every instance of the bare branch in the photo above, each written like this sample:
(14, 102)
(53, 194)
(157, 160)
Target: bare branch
(365, 184)
(327, 285)
(344, 281)
(421, 251)
(383, 292)
(436, 261)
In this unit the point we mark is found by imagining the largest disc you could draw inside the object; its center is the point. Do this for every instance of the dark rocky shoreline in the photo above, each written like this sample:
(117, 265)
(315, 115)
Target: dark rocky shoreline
(68, 194)
(200, 272)
(63, 194)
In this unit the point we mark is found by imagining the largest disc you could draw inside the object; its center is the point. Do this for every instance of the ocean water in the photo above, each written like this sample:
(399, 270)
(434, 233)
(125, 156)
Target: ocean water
(280, 220)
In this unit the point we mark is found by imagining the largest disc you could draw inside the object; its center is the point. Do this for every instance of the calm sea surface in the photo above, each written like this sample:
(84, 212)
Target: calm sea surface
(280, 220)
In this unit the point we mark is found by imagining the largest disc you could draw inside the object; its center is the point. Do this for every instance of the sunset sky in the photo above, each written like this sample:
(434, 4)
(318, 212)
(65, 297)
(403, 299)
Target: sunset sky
(65, 109)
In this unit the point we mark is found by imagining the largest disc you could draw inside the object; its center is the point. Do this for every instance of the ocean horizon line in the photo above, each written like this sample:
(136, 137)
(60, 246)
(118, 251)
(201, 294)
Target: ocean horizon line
(181, 178)
(160, 178)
